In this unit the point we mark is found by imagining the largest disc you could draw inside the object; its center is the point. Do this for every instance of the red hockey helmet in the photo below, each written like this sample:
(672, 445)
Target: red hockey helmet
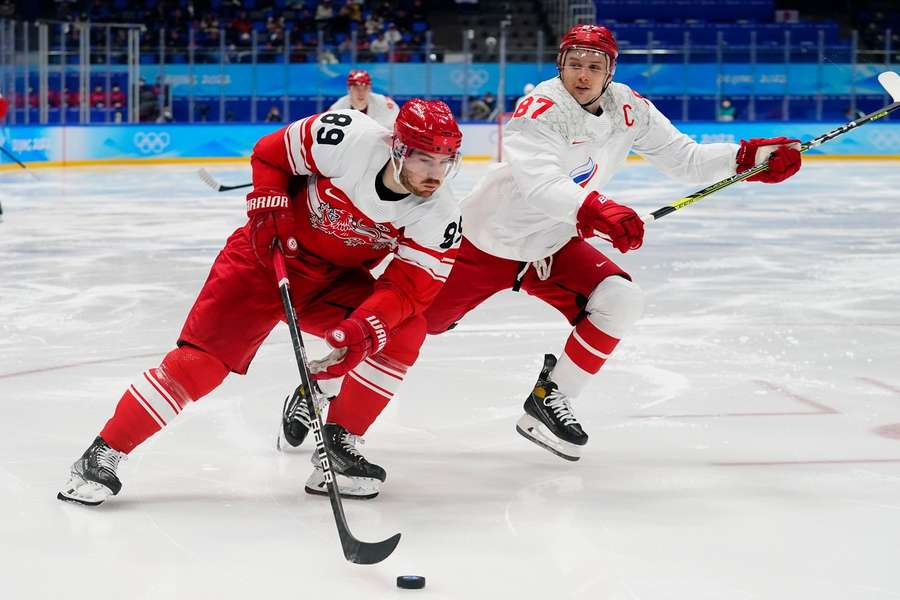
(359, 77)
(426, 125)
(594, 38)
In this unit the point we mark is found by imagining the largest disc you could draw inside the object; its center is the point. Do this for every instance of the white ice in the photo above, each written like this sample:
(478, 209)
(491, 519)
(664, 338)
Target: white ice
(745, 439)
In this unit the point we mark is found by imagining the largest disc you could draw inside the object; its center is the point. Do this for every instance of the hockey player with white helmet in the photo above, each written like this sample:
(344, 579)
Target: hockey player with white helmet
(361, 97)
(338, 193)
(528, 220)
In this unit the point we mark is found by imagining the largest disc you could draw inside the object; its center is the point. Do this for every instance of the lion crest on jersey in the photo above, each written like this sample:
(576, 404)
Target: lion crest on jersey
(341, 222)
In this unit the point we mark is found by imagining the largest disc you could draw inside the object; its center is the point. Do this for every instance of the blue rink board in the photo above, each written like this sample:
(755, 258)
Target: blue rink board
(151, 141)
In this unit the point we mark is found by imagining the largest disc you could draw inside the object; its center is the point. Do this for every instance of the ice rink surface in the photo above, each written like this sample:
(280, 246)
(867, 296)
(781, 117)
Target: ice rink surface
(745, 439)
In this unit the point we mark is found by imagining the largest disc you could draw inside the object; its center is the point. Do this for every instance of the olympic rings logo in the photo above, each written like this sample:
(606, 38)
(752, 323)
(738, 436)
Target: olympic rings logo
(151, 142)
(476, 78)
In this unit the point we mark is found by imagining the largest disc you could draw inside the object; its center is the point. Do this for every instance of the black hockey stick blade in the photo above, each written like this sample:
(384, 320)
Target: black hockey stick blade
(369, 553)
(212, 182)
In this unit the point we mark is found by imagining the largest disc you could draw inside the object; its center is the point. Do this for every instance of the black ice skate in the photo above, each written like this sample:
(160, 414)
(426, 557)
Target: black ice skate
(355, 476)
(93, 478)
(548, 420)
(295, 418)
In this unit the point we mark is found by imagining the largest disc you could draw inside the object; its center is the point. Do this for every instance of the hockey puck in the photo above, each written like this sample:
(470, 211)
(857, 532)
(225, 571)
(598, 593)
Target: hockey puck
(411, 582)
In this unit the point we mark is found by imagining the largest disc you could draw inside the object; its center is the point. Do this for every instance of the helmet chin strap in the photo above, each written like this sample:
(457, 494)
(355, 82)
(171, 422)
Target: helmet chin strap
(598, 96)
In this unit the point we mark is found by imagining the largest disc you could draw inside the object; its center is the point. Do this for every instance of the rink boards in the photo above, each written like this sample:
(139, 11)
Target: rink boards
(74, 145)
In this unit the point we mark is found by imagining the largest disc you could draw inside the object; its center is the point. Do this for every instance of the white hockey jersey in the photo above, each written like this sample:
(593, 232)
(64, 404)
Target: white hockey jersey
(381, 108)
(341, 220)
(555, 153)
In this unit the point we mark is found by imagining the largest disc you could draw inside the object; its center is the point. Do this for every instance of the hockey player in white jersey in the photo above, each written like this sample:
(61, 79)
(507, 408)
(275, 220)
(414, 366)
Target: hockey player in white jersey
(361, 97)
(528, 221)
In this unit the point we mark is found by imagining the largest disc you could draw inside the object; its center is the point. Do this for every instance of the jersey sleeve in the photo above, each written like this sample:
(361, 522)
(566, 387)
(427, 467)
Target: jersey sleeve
(533, 148)
(679, 156)
(422, 261)
(314, 145)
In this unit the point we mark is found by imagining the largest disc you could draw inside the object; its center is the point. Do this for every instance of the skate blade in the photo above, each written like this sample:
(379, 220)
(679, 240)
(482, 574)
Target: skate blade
(355, 488)
(87, 493)
(535, 431)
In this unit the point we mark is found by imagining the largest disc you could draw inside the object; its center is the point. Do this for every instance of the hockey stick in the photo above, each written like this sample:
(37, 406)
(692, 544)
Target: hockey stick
(889, 80)
(214, 183)
(18, 162)
(356, 551)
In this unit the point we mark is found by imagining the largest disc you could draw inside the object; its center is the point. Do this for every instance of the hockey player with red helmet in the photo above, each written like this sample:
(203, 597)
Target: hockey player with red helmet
(528, 221)
(361, 97)
(338, 193)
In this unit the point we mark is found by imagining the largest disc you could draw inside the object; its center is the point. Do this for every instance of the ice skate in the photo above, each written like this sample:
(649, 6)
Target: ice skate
(549, 420)
(356, 477)
(93, 477)
(295, 418)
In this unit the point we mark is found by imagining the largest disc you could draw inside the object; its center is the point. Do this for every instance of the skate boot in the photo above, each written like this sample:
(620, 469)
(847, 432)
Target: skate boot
(295, 418)
(548, 420)
(93, 478)
(355, 476)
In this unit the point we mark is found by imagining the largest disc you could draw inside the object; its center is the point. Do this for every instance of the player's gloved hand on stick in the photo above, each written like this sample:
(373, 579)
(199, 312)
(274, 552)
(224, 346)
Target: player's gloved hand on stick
(782, 153)
(602, 216)
(271, 219)
(356, 337)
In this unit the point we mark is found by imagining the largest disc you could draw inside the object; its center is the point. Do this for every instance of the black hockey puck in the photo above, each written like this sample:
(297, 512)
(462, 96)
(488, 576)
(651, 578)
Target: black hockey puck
(411, 582)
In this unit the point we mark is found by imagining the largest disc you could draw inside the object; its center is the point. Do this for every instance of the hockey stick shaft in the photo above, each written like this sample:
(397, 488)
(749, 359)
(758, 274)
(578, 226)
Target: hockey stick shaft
(720, 185)
(355, 551)
(214, 183)
(17, 161)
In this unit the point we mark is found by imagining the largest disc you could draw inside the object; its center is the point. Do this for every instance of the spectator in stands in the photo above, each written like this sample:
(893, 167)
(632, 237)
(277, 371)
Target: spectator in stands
(345, 50)
(148, 104)
(98, 97)
(479, 110)
(392, 34)
(324, 11)
(73, 98)
(53, 98)
(274, 115)
(374, 24)
(351, 13)
(725, 112)
(379, 47)
(117, 97)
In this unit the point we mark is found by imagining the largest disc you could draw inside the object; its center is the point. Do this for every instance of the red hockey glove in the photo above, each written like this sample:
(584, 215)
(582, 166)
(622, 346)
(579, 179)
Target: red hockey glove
(354, 338)
(619, 224)
(271, 219)
(782, 153)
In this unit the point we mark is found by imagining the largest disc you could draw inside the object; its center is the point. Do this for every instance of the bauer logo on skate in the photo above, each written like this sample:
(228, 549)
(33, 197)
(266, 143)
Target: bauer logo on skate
(151, 142)
(583, 173)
